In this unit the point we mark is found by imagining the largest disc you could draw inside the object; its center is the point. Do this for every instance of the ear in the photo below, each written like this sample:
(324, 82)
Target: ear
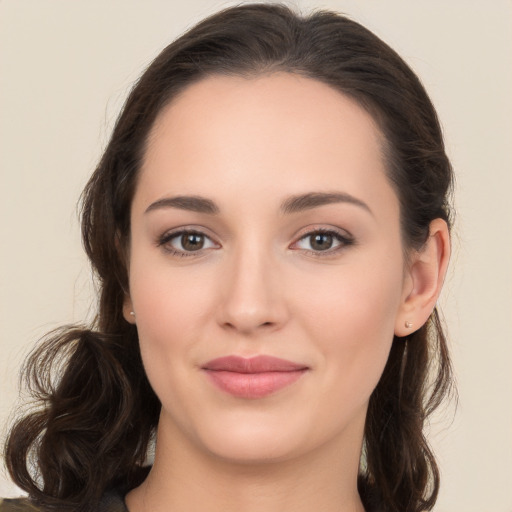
(128, 313)
(424, 279)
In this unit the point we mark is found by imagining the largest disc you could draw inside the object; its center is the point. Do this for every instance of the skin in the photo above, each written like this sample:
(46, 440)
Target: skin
(259, 286)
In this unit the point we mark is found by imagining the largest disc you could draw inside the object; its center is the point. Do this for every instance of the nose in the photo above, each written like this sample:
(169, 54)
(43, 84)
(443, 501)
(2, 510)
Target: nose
(252, 298)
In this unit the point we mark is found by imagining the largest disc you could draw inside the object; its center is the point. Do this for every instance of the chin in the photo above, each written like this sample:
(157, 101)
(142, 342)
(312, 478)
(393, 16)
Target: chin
(247, 436)
(253, 445)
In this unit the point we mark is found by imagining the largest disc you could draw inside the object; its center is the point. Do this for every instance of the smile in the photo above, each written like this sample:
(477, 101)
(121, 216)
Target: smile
(253, 378)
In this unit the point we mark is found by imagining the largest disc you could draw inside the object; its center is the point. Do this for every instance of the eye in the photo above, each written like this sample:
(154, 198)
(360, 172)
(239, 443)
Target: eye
(322, 241)
(186, 242)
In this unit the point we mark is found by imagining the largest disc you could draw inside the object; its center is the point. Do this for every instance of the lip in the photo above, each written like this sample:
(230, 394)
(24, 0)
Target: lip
(254, 377)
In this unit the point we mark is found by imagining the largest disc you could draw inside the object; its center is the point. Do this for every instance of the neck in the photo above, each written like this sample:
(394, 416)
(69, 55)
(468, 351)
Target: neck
(187, 479)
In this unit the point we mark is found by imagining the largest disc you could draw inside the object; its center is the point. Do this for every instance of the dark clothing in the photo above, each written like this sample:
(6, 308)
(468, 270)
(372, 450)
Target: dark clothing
(111, 502)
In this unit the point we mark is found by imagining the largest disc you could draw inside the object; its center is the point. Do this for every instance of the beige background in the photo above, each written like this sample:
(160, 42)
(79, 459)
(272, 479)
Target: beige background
(65, 70)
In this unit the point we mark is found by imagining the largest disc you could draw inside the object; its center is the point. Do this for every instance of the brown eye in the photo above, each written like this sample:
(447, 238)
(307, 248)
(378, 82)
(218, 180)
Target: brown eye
(186, 243)
(321, 241)
(192, 241)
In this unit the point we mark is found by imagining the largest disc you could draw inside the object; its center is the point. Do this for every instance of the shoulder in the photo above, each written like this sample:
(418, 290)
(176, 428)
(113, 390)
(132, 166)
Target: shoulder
(17, 505)
(111, 502)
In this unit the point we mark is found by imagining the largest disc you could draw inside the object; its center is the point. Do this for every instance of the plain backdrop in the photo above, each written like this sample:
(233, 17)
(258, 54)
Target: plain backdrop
(65, 68)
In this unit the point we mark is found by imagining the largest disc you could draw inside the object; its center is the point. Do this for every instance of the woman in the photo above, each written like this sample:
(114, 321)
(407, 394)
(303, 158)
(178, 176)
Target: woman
(269, 225)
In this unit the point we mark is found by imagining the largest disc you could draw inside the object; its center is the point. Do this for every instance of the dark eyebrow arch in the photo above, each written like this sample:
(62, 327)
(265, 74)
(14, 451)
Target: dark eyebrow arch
(311, 200)
(191, 203)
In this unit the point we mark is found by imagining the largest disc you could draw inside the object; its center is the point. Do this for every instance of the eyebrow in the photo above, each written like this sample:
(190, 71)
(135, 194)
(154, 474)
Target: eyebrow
(311, 200)
(294, 204)
(191, 203)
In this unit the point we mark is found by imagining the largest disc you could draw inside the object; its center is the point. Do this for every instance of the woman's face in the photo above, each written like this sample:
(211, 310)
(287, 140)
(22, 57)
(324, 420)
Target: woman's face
(263, 224)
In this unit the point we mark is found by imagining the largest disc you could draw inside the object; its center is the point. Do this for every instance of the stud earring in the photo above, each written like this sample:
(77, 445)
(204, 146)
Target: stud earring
(408, 324)
(132, 313)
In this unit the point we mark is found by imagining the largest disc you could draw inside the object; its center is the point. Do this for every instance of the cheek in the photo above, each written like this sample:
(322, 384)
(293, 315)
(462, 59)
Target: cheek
(359, 299)
(352, 319)
(167, 298)
(171, 309)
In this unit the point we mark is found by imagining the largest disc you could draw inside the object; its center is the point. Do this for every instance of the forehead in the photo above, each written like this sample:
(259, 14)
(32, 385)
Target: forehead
(279, 132)
(303, 106)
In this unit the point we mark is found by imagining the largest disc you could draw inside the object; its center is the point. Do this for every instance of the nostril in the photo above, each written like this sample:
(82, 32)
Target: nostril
(241, 327)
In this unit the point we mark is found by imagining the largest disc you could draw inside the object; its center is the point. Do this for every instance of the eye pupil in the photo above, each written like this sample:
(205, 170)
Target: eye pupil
(321, 241)
(192, 241)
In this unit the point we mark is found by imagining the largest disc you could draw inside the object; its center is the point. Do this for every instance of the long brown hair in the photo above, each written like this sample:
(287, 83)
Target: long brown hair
(97, 411)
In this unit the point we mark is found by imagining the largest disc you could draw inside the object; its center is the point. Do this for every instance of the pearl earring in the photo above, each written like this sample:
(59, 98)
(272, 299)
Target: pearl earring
(408, 324)
(132, 313)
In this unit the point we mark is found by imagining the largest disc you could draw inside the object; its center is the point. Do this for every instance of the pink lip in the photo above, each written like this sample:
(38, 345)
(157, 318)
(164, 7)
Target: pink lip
(256, 377)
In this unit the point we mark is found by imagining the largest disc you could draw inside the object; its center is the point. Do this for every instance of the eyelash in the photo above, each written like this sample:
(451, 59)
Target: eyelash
(344, 241)
(166, 238)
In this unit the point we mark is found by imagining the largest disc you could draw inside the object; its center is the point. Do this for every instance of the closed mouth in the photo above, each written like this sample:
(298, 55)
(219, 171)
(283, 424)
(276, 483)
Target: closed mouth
(254, 377)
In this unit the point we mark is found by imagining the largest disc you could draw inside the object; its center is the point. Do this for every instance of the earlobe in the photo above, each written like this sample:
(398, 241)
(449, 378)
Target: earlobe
(128, 313)
(426, 273)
